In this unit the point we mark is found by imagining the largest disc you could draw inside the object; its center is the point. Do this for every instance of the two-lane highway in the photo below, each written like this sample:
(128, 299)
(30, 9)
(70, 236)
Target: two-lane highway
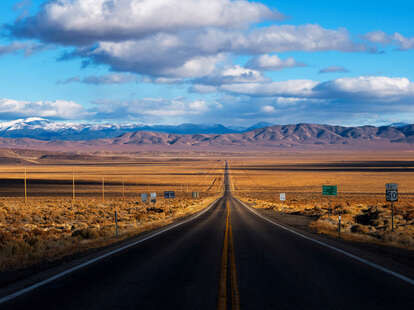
(227, 258)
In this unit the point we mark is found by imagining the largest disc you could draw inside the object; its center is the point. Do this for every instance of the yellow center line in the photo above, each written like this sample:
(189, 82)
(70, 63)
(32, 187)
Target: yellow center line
(235, 295)
(222, 298)
(225, 261)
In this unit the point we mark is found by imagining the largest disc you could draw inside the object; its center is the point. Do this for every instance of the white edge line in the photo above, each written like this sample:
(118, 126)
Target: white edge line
(359, 259)
(89, 262)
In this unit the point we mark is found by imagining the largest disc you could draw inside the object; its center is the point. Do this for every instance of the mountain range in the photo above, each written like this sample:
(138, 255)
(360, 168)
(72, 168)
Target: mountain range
(43, 129)
(300, 136)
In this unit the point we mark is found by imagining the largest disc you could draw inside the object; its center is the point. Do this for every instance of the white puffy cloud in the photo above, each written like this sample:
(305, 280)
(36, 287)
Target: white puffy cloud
(367, 88)
(292, 88)
(230, 75)
(59, 109)
(196, 53)
(403, 42)
(87, 21)
(272, 63)
(380, 37)
(377, 37)
(309, 37)
(161, 56)
(175, 38)
(151, 109)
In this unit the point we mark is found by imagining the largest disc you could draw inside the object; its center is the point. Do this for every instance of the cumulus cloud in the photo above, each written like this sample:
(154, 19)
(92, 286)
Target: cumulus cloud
(103, 79)
(231, 75)
(292, 88)
(151, 109)
(59, 109)
(337, 99)
(272, 63)
(197, 53)
(83, 22)
(334, 69)
(175, 39)
(377, 37)
(368, 88)
(380, 37)
(298, 38)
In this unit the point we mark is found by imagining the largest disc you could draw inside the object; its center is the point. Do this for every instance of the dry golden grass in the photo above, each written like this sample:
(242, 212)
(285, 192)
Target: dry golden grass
(51, 225)
(366, 216)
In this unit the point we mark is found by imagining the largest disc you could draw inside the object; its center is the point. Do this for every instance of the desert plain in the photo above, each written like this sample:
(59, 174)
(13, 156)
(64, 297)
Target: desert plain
(71, 199)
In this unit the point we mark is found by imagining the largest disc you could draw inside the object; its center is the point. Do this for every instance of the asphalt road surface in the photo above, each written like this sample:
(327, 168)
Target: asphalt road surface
(227, 258)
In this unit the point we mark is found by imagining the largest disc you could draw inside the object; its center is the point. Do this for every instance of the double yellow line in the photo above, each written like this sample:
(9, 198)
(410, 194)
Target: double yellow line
(228, 270)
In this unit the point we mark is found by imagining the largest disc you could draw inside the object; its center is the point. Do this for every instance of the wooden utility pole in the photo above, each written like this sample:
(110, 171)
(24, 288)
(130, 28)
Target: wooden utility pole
(103, 189)
(25, 185)
(73, 185)
(123, 189)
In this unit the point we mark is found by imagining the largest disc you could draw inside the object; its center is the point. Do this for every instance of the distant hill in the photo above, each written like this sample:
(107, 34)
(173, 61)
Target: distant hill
(300, 136)
(43, 129)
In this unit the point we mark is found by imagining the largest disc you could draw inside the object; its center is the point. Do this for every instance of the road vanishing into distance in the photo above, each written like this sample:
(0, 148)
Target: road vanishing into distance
(225, 258)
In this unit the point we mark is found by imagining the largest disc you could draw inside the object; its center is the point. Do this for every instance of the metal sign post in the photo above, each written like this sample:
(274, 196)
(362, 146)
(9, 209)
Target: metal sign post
(339, 226)
(331, 190)
(391, 195)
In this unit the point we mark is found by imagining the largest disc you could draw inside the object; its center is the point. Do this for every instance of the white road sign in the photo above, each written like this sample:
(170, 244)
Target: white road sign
(282, 196)
(153, 197)
(391, 192)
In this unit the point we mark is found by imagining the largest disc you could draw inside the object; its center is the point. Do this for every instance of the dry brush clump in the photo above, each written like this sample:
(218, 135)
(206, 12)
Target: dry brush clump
(47, 229)
(363, 217)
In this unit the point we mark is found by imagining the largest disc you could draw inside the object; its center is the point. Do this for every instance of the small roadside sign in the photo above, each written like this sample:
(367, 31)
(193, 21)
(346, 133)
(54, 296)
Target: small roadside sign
(329, 190)
(391, 192)
(196, 195)
(169, 194)
(144, 197)
(153, 197)
(282, 196)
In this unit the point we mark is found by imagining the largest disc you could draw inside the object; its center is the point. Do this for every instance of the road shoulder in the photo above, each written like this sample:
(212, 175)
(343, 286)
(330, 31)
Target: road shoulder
(393, 258)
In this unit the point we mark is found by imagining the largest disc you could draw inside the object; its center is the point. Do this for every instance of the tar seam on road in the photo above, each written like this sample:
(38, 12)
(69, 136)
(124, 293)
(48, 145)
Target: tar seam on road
(357, 258)
(228, 258)
(96, 259)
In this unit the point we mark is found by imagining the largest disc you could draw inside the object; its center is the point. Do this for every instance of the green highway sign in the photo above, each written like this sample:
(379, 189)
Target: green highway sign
(329, 190)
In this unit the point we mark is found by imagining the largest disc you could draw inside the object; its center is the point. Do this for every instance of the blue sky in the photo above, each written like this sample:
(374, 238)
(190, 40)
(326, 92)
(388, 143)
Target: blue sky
(208, 61)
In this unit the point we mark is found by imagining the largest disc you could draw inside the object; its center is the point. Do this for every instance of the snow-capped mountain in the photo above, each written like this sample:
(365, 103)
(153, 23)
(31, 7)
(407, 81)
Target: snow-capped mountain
(43, 129)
